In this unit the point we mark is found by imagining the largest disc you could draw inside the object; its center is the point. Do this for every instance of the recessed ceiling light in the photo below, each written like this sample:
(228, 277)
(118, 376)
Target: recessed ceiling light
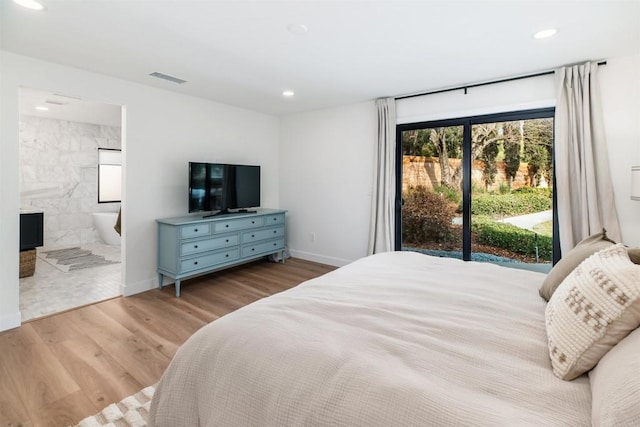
(41, 108)
(545, 33)
(288, 93)
(29, 4)
(297, 29)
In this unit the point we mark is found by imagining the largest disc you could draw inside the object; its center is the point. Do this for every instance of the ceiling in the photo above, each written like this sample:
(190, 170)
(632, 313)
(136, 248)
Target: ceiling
(241, 53)
(64, 107)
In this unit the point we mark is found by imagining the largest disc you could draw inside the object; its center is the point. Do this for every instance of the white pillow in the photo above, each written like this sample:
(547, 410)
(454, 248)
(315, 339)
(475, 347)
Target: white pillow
(615, 385)
(596, 306)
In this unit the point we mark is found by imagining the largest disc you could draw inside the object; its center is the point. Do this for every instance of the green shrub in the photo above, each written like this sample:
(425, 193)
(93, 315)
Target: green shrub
(512, 238)
(533, 190)
(450, 193)
(426, 216)
(516, 203)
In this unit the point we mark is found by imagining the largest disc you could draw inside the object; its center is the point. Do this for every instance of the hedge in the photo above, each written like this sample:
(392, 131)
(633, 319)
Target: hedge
(512, 238)
(510, 204)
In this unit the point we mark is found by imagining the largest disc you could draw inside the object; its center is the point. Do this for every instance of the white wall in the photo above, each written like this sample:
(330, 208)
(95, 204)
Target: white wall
(162, 131)
(620, 90)
(326, 171)
(327, 156)
(525, 94)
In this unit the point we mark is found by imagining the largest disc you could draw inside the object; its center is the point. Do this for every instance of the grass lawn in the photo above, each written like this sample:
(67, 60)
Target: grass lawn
(544, 228)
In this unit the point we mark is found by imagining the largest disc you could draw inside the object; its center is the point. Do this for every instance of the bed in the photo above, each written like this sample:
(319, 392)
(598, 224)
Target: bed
(396, 338)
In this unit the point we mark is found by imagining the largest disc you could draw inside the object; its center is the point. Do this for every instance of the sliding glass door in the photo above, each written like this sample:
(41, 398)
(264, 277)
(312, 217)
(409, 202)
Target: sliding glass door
(432, 190)
(478, 188)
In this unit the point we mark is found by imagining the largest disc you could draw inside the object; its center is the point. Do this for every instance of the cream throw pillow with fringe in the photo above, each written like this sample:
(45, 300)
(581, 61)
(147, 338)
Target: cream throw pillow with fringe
(594, 308)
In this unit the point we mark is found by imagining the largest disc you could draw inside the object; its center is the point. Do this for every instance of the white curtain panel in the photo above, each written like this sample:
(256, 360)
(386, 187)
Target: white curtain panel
(583, 180)
(382, 226)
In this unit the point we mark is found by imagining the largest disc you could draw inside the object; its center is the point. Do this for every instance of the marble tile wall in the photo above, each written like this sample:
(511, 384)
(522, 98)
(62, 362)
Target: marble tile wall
(59, 174)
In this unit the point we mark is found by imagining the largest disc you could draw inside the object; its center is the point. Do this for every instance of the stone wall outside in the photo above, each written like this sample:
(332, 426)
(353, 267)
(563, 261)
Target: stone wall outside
(419, 170)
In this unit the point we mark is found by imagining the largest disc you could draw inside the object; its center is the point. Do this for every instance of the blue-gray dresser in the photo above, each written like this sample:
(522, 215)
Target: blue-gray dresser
(192, 245)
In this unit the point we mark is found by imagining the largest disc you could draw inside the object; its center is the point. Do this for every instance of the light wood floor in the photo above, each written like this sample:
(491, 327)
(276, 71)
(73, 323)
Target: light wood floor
(58, 370)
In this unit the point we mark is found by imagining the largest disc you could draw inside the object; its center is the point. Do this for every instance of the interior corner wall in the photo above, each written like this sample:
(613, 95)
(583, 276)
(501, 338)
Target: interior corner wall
(326, 176)
(162, 131)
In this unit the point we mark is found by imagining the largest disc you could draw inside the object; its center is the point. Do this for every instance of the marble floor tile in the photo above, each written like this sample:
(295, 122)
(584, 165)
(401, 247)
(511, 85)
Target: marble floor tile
(51, 290)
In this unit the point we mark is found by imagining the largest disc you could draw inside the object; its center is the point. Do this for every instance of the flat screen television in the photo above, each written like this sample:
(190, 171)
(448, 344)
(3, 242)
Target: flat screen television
(221, 187)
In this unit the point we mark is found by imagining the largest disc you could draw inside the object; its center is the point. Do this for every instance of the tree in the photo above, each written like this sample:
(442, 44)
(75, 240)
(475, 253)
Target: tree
(512, 149)
(438, 138)
(538, 145)
(483, 135)
(410, 144)
(489, 155)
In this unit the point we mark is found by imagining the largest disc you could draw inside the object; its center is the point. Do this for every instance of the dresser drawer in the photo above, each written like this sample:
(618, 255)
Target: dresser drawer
(205, 261)
(266, 247)
(274, 219)
(194, 230)
(238, 224)
(208, 244)
(254, 236)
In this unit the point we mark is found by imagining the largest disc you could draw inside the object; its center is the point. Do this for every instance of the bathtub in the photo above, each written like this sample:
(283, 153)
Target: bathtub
(103, 223)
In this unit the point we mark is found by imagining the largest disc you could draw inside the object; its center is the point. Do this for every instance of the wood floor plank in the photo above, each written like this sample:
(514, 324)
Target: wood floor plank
(149, 361)
(66, 411)
(13, 410)
(102, 379)
(164, 327)
(59, 328)
(39, 375)
(184, 307)
(93, 321)
(60, 369)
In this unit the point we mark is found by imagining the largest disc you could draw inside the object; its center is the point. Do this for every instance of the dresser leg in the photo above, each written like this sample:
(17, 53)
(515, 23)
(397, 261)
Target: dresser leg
(178, 288)
(159, 280)
(283, 256)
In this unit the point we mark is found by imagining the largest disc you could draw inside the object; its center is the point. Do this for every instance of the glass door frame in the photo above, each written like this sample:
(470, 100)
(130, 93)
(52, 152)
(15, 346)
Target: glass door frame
(467, 123)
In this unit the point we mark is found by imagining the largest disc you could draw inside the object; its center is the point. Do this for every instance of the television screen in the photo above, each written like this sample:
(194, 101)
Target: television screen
(220, 187)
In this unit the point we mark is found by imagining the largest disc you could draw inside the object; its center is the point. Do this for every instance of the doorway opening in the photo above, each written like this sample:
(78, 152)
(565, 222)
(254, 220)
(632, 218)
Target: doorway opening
(77, 259)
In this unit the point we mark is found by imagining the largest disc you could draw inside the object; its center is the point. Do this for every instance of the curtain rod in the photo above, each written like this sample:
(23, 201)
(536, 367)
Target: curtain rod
(465, 87)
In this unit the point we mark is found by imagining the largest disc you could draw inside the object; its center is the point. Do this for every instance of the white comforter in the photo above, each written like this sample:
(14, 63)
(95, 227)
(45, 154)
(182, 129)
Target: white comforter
(395, 339)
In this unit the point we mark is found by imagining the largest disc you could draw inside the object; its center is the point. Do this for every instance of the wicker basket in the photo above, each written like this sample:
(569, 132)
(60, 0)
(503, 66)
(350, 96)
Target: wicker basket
(27, 263)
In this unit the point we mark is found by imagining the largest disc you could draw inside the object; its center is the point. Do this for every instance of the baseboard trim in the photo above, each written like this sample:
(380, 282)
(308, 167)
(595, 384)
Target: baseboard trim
(10, 321)
(138, 287)
(322, 259)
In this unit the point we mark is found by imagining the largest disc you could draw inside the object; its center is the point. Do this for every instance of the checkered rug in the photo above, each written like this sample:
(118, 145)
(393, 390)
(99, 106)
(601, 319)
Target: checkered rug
(132, 411)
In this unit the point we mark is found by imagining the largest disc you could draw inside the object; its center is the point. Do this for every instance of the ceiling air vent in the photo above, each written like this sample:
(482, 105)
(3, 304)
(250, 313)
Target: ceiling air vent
(50, 101)
(67, 96)
(167, 77)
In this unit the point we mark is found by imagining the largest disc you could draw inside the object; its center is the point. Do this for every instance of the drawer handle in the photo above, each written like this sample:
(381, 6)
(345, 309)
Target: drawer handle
(195, 246)
(275, 219)
(227, 225)
(253, 222)
(253, 249)
(227, 240)
(195, 230)
(275, 244)
(253, 235)
(195, 263)
(275, 231)
(227, 255)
